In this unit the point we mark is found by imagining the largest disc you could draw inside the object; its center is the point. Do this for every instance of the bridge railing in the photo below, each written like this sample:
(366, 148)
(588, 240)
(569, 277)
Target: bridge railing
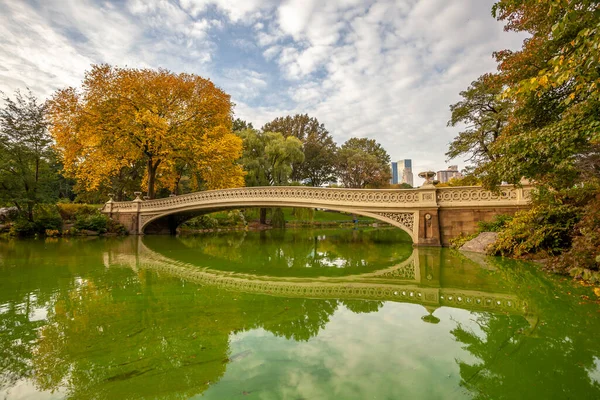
(426, 196)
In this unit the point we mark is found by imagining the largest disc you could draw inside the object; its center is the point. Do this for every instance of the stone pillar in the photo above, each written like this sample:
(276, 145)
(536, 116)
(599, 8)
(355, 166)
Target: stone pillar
(428, 216)
(138, 205)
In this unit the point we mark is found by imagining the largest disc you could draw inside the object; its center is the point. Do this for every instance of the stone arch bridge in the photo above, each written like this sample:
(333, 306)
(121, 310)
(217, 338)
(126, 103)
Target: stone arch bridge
(431, 216)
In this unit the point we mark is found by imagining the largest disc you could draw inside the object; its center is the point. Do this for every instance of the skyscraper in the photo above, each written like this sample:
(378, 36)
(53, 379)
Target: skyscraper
(394, 180)
(405, 167)
(445, 175)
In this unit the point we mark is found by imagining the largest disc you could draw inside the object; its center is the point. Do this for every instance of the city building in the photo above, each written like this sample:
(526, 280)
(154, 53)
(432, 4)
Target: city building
(394, 180)
(405, 166)
(402, 172)
(445, 175)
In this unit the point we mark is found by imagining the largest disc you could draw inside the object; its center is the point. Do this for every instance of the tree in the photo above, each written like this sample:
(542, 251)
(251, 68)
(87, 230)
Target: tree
(319, 148)
(363, 162)
(552, 134)
(241, 125)
(268, 158)
(174, 123)
(27, 176)
(483, 114)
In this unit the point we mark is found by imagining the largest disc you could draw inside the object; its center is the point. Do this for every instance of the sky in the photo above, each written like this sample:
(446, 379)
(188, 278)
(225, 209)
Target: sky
(382, 69)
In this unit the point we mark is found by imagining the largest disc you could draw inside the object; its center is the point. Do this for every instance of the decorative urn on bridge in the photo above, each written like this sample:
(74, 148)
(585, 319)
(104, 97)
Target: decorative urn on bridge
(428, 176)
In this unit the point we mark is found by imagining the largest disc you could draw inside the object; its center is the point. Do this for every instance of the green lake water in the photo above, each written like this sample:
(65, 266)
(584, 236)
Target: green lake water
(296, 314)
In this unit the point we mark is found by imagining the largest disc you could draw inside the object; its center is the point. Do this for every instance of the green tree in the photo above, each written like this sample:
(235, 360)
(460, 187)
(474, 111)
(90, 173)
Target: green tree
(26, 155)
(483, 114)
(268, 158)
(553, 133)
(362, 162)
(241, 125)
(318, 166)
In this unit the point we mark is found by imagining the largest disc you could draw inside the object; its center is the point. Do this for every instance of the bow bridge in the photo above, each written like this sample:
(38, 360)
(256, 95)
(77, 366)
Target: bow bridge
(431, 216)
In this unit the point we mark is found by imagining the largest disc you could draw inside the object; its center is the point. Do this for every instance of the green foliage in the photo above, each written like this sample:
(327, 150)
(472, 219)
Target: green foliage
(70, 211)
(201, 222)
(239, 125)
(318, 166)
(362, 163)
(28, 167)
(496, 225)
(542, 229)
(461, 239)
(466, 180)
(583, 257)
(278, 218)
(268, 157)
(22, 227)
(483, 114)
(94, 222)
(46, 217)
(304, 214)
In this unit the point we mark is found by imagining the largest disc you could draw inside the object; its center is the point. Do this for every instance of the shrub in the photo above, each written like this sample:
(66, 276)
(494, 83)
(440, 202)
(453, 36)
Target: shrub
(96, 222)
(116, 227)
(583, 259)
(51, 222)
(23, 227)
(543, 228)
(461, 239)
(52, 232)
(499, 222)
(70, 211)
(235, 218)
(201, 222)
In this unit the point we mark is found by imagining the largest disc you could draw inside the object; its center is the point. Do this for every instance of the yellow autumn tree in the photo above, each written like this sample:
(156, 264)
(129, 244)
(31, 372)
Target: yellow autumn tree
(175, 123)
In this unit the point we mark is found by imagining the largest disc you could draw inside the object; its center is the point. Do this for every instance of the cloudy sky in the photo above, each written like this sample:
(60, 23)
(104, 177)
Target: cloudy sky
(381, 69)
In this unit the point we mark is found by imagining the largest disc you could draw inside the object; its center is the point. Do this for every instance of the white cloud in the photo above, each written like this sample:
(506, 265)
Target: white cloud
(385, 69)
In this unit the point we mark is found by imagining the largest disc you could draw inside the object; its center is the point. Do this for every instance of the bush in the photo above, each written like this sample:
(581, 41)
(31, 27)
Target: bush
(52, 233)
(96, 222)
(583, 259)
(235, 218)
(543, 228)
(201, 222)
(70, 211)
(499, 222)
(461, 239)
(23, 227)
(116, 227)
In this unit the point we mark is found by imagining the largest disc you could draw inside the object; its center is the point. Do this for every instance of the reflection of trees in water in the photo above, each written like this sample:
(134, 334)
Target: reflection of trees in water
(546, 358)
(113, 333)
(275, 251)
(360, 306)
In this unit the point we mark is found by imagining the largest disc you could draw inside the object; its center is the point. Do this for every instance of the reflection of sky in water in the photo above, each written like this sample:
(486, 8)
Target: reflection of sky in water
(356, 356)
(595, 372)
(25, 389)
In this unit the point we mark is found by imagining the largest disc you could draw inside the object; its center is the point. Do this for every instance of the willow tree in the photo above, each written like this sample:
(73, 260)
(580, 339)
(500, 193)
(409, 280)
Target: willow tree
(174, 123)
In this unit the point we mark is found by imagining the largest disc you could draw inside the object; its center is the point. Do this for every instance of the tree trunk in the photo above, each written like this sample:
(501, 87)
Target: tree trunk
(152, 167)
(263, 216)
(30, 210)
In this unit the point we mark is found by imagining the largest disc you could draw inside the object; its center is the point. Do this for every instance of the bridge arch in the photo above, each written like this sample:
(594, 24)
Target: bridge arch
(167, 221)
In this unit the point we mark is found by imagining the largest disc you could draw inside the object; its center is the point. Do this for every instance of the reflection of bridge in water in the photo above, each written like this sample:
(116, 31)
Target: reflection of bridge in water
(420, 279)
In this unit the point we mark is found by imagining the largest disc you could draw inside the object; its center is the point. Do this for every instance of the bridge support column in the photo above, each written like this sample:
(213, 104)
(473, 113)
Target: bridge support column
(429, 228)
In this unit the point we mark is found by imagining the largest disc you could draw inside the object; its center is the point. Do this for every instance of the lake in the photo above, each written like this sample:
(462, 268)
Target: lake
(288, 314)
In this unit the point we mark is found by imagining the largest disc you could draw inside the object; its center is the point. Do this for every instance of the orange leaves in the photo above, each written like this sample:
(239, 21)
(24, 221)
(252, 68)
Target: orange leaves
(177, 123)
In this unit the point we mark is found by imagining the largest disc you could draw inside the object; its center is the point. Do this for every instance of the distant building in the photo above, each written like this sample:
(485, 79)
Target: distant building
(405, 172)
(394, 180)
(445, 175)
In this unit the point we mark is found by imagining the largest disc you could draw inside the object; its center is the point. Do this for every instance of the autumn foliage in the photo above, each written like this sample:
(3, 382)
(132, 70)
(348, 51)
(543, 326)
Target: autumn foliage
(176, 124)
